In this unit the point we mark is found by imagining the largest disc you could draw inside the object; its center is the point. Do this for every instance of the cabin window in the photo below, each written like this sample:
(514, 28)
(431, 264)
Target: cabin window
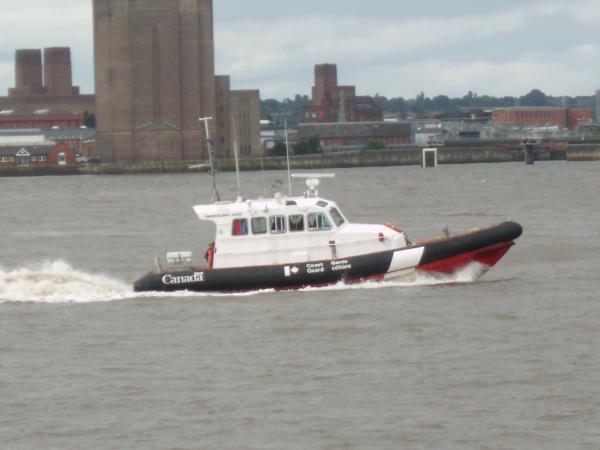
(277, 224)
(318, 222)
(336, 216)
(239, 227)
(321, 203)
(296, 222)
(259, 225)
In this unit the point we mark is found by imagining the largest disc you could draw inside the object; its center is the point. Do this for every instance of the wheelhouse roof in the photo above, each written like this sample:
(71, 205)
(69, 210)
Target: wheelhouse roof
(259, 206)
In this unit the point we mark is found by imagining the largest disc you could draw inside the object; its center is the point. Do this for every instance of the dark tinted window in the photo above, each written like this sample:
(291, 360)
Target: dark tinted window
(259, 225)
(277, 224)
(336, 216)
(296, 222)
(318, 222)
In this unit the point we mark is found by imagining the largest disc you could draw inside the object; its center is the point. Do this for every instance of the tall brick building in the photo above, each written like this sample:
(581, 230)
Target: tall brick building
(238, 119)
(334, 103)
(58, 78)
(155, 76)
(28, 73)
(46, 85)
(154, 66)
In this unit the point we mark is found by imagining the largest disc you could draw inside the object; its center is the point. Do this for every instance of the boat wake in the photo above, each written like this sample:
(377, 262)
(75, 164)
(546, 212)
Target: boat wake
(58, 282)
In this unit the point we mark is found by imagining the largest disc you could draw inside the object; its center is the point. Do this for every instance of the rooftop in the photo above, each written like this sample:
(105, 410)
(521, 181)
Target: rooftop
(37, 112)
(355, 129)
(33, 150)
(57, 134)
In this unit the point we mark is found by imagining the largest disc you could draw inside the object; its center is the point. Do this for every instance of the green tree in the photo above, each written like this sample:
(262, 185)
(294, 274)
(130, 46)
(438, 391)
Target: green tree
(308, 146)
(279, 149)
(534, 98)
(375, 144)
(270, 108)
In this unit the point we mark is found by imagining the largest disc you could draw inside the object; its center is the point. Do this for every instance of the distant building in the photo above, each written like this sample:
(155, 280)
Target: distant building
(579, 117)
(271, 134)
(47, 154)
(73, 137)
(597, 106)
(545, 116)
(474, 115)
(427, 132)
(46, 85)
(41, 118)
(238, 119)
(335, 136)
(334, 103)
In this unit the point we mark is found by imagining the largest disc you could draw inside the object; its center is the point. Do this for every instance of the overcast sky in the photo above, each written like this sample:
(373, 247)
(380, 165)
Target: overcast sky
(391, 47)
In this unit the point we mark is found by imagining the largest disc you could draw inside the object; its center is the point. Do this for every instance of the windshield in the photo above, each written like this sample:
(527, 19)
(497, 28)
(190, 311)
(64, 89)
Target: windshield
(336, 216)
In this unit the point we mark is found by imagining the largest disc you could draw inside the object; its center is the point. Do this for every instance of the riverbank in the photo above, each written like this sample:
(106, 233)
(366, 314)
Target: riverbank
(408, 156)
(38, 171)
(411, 156)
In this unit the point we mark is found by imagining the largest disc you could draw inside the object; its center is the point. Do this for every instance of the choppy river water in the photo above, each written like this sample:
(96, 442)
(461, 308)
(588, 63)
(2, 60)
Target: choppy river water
(508, 361)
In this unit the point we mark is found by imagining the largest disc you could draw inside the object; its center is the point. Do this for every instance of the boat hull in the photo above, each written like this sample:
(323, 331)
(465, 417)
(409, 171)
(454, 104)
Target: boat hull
(446, 256)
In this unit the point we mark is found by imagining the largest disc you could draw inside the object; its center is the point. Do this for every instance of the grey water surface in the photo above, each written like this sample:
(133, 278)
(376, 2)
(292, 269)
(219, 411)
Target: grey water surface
(510, 361)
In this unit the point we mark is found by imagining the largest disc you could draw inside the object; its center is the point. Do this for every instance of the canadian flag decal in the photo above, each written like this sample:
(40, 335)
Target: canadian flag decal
(289, 271)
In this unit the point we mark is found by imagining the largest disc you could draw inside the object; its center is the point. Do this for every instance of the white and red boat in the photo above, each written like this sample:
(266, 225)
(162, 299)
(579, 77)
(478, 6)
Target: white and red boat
(294, 242)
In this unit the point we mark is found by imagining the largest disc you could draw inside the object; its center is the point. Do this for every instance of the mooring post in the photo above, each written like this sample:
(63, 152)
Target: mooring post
(529, 153)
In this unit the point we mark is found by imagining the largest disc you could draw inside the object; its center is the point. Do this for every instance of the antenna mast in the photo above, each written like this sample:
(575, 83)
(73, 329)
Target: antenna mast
(215, 193)
(237, 160)
(287, 147)
(287, 151)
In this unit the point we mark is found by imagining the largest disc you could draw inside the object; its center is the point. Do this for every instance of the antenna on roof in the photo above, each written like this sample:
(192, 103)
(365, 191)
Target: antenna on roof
(287, 148)
(237, 160)
(287, 151)
(312, 181)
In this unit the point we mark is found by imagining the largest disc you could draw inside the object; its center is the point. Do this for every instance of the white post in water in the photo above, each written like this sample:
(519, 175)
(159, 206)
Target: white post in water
(215, 194)
(430, 157)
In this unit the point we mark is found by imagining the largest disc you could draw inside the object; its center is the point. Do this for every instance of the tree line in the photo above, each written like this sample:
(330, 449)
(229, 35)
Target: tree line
(440, 106)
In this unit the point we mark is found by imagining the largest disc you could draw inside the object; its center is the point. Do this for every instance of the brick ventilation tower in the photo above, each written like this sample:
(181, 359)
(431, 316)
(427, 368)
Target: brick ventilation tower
(58, 72)
(334, 103)
(326, 88)
(28, 73)
(154, 67)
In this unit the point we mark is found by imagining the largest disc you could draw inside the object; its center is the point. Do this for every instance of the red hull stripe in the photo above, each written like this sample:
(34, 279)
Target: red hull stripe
(488, 256)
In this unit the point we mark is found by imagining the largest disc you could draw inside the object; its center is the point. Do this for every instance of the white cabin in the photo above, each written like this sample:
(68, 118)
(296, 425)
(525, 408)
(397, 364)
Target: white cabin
(287, 230)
